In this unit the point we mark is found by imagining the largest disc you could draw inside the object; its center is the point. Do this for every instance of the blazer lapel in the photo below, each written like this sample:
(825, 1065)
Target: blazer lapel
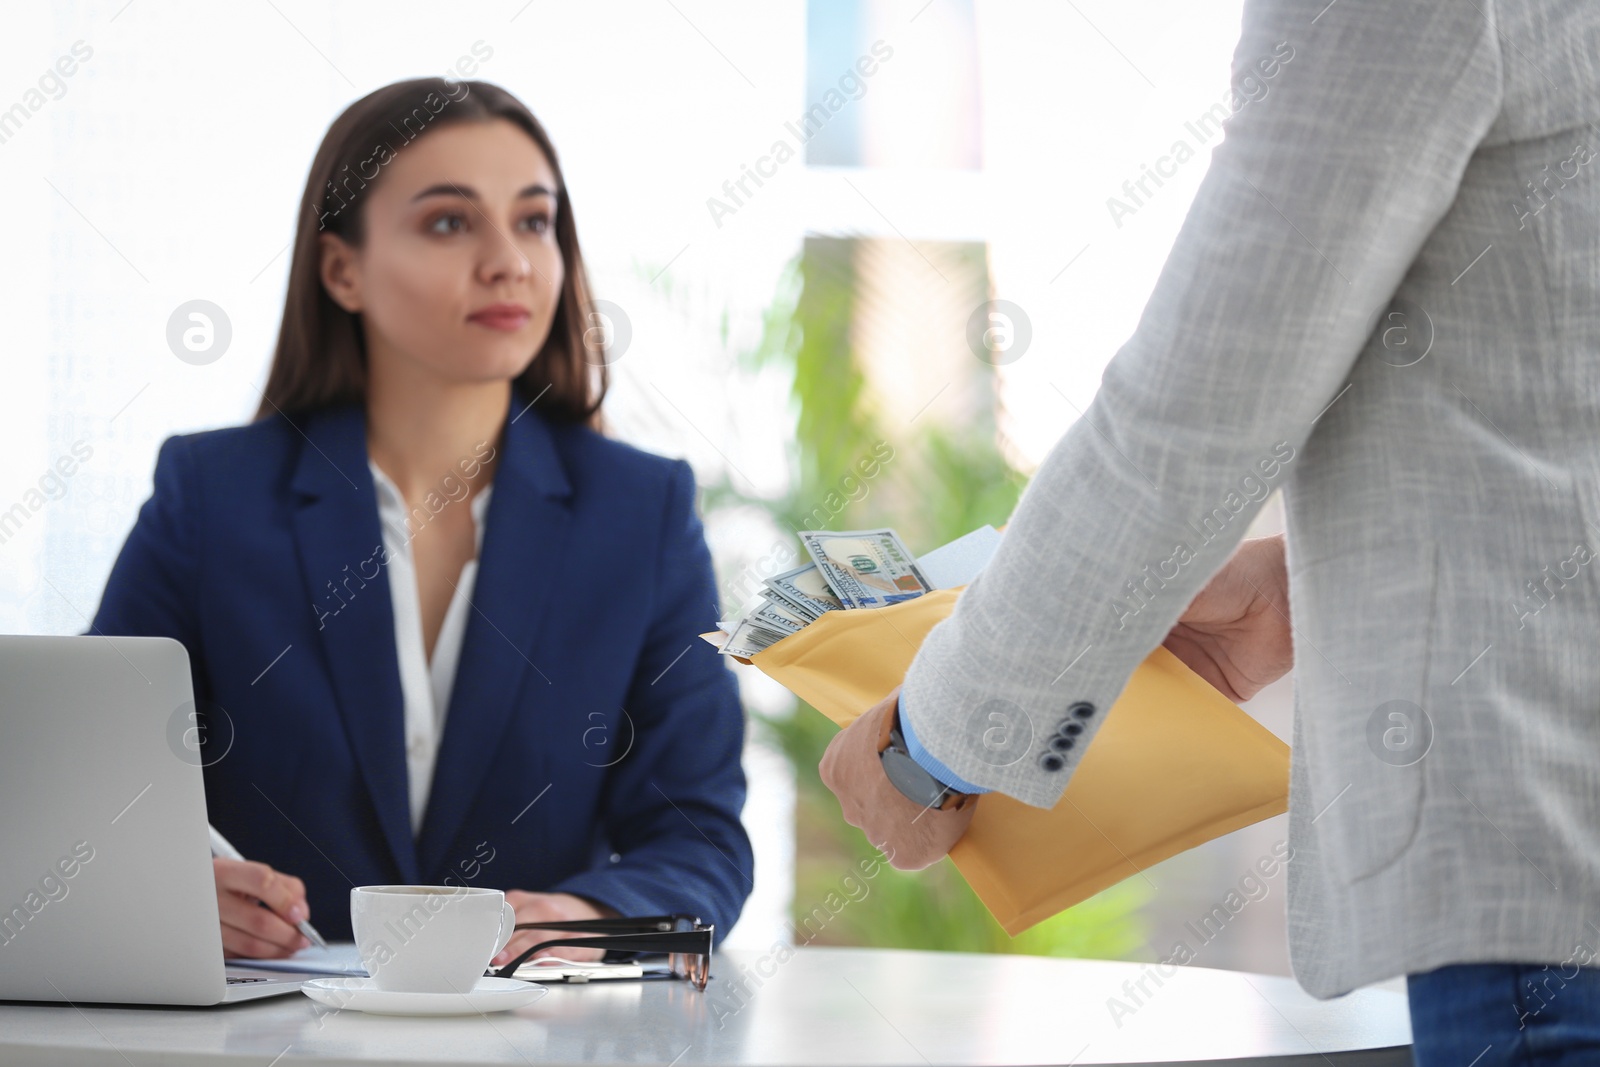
(525, 532)
(341, 555)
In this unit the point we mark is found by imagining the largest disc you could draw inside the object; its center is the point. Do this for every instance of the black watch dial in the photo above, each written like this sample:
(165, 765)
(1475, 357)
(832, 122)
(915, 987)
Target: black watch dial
(910, 777)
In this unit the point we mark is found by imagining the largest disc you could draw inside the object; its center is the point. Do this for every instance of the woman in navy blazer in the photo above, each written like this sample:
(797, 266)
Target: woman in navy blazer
(435, 325)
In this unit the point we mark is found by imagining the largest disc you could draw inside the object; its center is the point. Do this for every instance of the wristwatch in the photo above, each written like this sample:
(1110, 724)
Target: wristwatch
(910, 777)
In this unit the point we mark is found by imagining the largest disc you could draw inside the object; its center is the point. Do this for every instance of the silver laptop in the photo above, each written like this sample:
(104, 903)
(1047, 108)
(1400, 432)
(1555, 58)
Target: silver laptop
(106, 889)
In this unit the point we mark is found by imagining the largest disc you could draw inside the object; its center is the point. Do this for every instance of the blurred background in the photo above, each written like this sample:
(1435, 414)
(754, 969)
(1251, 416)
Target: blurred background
(824, 231)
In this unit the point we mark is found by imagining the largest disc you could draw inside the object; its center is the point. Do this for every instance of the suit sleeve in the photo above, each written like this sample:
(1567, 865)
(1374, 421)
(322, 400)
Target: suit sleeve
(672, 804)
(152, 590)
(1316, 202)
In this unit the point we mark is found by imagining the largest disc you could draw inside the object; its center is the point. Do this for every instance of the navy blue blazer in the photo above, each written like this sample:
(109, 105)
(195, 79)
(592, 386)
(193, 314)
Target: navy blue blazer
(592, 743)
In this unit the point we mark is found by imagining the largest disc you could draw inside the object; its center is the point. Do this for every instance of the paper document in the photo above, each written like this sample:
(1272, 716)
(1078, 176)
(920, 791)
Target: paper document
(545, 969)
(959, 561)
(340, 957)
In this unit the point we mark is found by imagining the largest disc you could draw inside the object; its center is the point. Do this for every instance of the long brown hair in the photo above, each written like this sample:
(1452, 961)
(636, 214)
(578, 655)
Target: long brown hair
(321, 356)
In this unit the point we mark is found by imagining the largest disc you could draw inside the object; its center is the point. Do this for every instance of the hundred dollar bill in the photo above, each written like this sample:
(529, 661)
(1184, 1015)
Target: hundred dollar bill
(748, 638)
(805, 590)
(731, 621)
(765, 609)
(865, 568)
(773, 612)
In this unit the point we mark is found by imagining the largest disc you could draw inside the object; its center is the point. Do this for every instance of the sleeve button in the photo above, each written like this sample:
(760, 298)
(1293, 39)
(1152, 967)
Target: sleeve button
(1082, 709)
(1059, 743)
(1071, 729)
(1051, 762)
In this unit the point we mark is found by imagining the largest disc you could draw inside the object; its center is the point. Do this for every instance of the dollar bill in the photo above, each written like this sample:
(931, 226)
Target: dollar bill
(805, 590)
(865, 568)
(750, 637)
(766, 609)
(774, 613)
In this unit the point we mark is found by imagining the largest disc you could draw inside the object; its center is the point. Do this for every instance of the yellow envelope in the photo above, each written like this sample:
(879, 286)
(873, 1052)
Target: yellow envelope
(1174, 764)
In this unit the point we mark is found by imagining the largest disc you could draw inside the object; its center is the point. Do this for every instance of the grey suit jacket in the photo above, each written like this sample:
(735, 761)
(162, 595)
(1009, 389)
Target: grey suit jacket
(1386, 300)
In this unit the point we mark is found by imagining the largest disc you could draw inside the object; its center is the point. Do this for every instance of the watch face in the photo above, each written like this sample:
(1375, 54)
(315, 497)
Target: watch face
(912, 779)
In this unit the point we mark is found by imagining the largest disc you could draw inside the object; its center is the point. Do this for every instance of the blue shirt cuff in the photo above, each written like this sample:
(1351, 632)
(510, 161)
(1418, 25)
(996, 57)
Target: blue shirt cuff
(921, 757)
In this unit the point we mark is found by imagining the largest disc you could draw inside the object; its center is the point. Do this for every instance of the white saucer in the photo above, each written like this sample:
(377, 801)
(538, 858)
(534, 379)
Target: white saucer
(363, 994)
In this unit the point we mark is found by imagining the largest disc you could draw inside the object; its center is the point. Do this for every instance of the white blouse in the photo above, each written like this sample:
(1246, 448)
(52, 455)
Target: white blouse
(425, 686)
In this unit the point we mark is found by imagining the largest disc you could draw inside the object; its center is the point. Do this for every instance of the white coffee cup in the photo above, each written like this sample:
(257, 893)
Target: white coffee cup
(429, 938)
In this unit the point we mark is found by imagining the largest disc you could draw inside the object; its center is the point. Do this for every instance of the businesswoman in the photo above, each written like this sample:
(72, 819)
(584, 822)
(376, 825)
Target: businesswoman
(442, 629)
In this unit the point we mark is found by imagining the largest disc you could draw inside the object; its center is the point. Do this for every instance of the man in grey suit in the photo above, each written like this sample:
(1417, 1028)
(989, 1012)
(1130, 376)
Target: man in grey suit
(1386, 301)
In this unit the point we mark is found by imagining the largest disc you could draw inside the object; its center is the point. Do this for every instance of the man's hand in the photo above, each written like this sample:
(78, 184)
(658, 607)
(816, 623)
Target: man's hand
(1236, 634)
(250, 931)
(550, 907)
(911, 836)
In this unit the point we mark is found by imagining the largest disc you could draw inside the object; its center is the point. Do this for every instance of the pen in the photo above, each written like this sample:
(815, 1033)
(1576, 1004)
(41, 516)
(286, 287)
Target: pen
(221, 847)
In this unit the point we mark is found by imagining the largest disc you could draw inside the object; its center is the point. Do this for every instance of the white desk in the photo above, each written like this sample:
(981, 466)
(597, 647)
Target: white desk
(822, 1006)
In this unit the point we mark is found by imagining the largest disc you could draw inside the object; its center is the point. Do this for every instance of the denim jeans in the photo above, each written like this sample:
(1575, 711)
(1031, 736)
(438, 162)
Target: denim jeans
(1505, 1014)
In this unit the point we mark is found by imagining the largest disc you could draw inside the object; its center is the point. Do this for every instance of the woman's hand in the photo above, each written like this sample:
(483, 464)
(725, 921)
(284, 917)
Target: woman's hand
(1236, 634)
(250, 931)
(550, 907)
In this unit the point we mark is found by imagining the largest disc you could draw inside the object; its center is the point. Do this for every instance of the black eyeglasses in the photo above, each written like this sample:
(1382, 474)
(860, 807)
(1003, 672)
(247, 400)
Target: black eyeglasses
(685, 941)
